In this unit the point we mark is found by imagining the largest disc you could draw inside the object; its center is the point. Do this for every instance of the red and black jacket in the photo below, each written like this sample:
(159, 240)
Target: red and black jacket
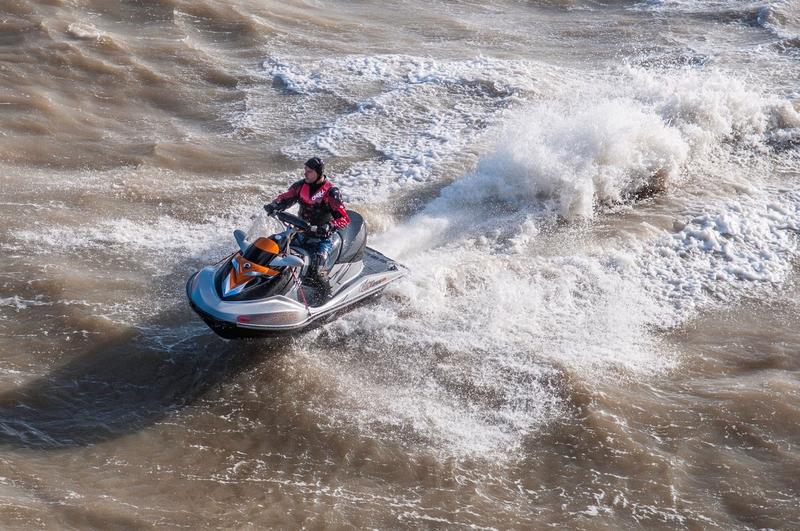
(320, 203)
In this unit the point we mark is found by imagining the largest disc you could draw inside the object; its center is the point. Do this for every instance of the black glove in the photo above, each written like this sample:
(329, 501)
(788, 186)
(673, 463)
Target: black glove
(320, 231)
(270, 208)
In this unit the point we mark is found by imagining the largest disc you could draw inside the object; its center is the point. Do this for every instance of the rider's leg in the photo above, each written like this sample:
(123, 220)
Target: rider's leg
(319, 275)
(318, 270)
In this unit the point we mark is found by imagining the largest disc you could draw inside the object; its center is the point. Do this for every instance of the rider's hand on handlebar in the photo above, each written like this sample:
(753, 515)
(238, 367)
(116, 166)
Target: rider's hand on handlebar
(320, 231)
(270, 208)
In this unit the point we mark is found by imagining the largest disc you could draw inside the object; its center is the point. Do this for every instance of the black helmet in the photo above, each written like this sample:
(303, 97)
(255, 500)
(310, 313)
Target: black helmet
(316, 164)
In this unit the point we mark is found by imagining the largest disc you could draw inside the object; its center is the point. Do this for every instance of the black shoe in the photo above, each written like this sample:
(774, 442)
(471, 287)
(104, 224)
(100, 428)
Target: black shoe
(324, 293)
(322, 289)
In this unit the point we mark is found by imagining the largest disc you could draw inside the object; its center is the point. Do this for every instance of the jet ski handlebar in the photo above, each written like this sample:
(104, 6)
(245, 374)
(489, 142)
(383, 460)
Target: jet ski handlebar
(291, 219)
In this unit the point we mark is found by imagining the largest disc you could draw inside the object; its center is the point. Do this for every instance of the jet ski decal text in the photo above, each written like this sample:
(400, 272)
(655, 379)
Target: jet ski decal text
(370, 284)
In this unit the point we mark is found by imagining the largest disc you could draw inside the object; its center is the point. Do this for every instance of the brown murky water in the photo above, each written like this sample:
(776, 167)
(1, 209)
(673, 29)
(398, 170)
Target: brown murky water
(598, 203)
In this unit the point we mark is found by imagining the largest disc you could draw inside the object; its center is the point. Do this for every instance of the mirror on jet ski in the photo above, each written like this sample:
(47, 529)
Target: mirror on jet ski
(241, 240)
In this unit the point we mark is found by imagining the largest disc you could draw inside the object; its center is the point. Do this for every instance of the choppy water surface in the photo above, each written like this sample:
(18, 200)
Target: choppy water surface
(599, 204)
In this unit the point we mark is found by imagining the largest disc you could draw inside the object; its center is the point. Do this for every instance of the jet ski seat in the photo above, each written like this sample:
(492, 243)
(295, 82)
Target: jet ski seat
(349, 243)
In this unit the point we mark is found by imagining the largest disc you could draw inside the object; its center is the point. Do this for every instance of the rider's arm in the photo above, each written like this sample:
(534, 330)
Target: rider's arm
(334, 201)
(289, 197)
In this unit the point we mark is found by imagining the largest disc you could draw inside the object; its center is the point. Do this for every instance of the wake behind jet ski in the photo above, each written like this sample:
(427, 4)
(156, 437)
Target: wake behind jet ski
(264, 290)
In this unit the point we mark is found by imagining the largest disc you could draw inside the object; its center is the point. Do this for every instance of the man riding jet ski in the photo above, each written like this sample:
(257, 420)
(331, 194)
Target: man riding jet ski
(272, 285)
(321, 206)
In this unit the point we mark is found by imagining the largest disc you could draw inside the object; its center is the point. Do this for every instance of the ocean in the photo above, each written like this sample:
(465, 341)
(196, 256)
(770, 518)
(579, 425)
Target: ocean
(598, 204)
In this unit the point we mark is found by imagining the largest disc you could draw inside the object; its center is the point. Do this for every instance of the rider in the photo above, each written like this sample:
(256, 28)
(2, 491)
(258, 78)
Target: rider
(321, 206)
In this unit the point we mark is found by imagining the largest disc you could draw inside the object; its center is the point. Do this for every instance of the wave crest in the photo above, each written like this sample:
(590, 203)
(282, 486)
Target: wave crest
(633, 139)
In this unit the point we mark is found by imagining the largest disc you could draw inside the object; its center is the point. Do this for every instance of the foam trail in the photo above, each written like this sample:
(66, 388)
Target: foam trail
(742, 246)
(486, 319)
(601, 154)
(481, 298)
(571, 157)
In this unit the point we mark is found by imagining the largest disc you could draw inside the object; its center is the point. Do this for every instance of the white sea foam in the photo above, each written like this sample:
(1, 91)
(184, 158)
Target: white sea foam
(781, 17)
(481, 299)
(487, 331)
(604, 137)
(340, 75)
(84, 31)
(740, 246)
(407, 114)
(160, 234)
(489, 328)
(596, 154)
(18, 303)
(484, 339)
(637, 138)
(164, 236)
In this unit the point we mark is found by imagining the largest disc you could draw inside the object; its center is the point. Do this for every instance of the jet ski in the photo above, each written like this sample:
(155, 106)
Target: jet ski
(259, 290)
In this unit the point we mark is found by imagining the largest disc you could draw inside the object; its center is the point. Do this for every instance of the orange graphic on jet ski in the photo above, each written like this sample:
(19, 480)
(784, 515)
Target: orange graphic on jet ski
(244, 270)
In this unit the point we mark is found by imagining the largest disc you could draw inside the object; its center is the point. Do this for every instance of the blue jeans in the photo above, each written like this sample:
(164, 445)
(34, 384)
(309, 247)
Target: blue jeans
(318, 248)
(317, 275)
